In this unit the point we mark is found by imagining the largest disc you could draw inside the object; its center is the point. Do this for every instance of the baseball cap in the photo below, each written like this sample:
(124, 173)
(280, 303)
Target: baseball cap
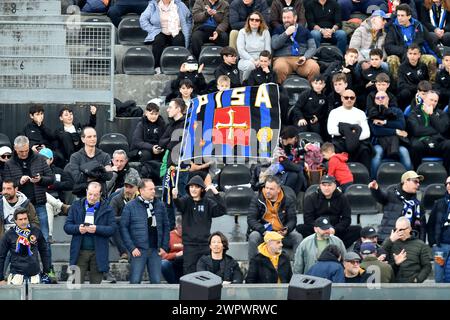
(132, 178)
(191, 59)
(351, 256)
(411, 175)
(5, 149)
(46, 152)
(368, 248)
(369, 232)
(323, 223)
(379, 13)
(328, 179)
(272, 235)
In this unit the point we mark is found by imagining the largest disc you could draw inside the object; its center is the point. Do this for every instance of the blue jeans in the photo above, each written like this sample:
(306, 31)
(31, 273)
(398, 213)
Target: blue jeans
(339, 37)
(152, 260)
(440, 274)
(41, 212)
(379, 153)
(172, 270)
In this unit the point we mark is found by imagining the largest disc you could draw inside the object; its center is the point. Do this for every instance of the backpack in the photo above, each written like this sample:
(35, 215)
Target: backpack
(127, 109)
(326, 55)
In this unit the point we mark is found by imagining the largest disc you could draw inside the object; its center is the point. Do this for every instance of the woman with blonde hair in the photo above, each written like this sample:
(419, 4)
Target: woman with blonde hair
(436, 18)
(252, 39)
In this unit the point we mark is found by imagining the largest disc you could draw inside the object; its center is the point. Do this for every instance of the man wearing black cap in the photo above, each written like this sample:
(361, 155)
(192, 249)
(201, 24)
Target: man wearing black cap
(328, 201)
(381, 271)
(312, 246)
(197, 210)
(370, 234)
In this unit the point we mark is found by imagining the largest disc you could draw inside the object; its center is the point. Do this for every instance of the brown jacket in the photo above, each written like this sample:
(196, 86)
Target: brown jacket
(200, 15)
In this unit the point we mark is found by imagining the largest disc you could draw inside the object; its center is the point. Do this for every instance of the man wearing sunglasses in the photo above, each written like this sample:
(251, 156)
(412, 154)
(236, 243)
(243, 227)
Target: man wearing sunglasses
(5, 155)
(400, 201)
(350, 131)
(409, 257)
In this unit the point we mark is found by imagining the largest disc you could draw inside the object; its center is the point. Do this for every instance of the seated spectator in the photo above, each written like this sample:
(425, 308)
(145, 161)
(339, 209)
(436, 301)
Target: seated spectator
(352, 269)
(325, 22)
(422, 89)
(147, 133)
(218, 262)
(375, 68)
(315, 244)
(350, 6)
(409, 257)
(189, 70)
(400, 201)
(370, 234)
(311, 110)
(382, 83)
(404, 32)
(68, 133)
(223, 83)
(172, 261)
(442, 84)
(272, 209)
(89, 164)
(279, 6)
(122, 7)
(369, 35)
(328, 201)
(240, 11)
(350, 131)
(293, 47)
(338, 86)
(389, 138)
(329, 265)
(94, 6)
(120, 169)
(382, 271)
(186, 91)
(228, 67)
(337, 166)
(270, 265)
(168, 23)
(118, 201)
(439, 236)
(5, 155)
(390, 7)
(252, 39)
(435, 16)
(211, 22)
(427, 126)
(346, 67)
(37, 133)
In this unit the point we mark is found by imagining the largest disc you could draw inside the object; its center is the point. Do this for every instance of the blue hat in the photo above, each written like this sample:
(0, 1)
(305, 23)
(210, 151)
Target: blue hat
(368, 248)
(46, 152)
(379, 13)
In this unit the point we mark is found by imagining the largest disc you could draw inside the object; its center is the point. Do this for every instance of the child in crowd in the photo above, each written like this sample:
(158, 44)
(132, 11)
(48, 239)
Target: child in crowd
(382, 84)
(39, 135)
(369, 75)
(223, 83)
(337, 165)
(346, 67)
(422, 89)
(229, 67)
(186, 91)
(340, 84)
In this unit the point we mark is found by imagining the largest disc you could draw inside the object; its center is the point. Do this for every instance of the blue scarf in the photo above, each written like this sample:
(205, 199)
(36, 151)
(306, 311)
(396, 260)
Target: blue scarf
(295, 48)
(411, 210)
(23, 239)
(437, 16)
(90, 210)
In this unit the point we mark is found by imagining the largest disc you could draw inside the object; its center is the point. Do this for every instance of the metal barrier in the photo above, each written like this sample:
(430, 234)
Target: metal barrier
(11, 292)
(54, 62)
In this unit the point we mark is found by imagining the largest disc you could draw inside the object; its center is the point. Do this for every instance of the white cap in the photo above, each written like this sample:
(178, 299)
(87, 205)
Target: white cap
(4, 150)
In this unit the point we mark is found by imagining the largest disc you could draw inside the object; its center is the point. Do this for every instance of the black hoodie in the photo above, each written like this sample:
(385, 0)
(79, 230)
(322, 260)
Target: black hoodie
(147, 134)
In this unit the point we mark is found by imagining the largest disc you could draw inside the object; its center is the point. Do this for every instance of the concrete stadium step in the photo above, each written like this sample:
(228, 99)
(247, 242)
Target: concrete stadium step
(61, 252)
(30, 8)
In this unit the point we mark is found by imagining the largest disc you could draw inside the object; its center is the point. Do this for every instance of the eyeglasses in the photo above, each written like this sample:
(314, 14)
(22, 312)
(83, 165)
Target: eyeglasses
(354, 262)
(380, 97)
(416, 181)
(288, 9)
(349, 97)
(254, 19)
(6, 156)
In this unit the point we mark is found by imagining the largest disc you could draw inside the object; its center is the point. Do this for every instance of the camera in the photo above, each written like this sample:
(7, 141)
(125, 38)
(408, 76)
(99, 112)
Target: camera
(190, 67)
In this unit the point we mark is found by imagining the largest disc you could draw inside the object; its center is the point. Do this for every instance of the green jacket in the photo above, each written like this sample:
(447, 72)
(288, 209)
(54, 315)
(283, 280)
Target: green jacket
(372, 264)
(417, 265)
(307, 252)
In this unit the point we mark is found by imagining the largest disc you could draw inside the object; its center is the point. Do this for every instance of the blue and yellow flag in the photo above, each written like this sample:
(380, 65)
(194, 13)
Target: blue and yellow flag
(241, 122)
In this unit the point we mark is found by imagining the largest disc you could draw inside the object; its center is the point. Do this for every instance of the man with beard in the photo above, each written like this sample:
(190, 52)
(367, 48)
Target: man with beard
(312, 246)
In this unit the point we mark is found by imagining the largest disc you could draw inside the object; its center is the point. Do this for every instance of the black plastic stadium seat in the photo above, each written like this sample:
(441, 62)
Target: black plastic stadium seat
(237, 200)
(234, 175)
(361, 200)
(360, 172)
(138, 60)
(211, 58)
(130, 32)
(432, 193)
(389, 173)
(111, 142)
(433, 172)
(294, 85)
(4, 140)
(172, 58)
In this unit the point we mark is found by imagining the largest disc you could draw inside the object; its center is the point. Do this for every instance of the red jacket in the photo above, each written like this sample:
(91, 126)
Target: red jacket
(175, 245)
(338, 168)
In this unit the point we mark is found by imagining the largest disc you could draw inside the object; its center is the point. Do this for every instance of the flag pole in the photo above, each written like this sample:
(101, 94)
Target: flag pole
(181, 148)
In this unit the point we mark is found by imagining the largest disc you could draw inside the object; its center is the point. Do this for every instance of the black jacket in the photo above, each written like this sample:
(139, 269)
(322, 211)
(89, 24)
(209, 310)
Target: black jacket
(147, 134)
(369, 75)
(370, 101)
(337, 209)
(21, 262)
(310, 104)
(436, 230)
(334, 100)
(63, 182)
(167, 142)
(197, 79)
(229, 268)
(438, 125)
(261, 270)
(337, 67)
(197, 217)
(409, 76)
(258, 77)
(239, 12)
(38, 134)
(231, 71)
(257, 209)
(324, 16)
(442, 83)
(35, 164)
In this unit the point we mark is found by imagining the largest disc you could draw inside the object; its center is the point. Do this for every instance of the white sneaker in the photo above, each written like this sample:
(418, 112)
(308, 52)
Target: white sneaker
(158, 70)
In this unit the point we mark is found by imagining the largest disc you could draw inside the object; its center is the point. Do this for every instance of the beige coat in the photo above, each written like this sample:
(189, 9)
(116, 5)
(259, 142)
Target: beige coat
(362, 41)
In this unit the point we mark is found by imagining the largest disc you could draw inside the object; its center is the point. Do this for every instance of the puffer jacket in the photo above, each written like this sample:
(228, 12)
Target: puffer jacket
(417, 264)
(229, 268)
(328, 267)
(261, 269)
(436, 230)
(363, 42)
